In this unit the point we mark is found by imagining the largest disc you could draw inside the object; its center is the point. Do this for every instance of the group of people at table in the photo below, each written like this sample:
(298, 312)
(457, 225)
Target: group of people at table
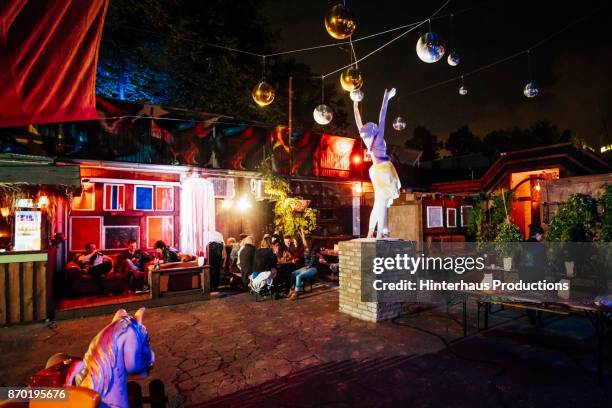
(280, 262)
(133, 260)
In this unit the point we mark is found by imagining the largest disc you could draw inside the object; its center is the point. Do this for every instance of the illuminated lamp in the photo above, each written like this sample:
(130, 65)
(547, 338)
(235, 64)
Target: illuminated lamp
(357, 188)
(244, 204)
(342, 146)
(43, 201)
(357, 159)
(24, 203)
(5, 211)
(537, 186)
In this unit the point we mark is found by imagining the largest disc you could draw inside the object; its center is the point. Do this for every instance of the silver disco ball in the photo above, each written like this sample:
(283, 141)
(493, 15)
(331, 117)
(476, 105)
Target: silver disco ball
(356, 95)
(399, 124)
(430, 48)
(531, 90)
(323, 114)
(453, 59)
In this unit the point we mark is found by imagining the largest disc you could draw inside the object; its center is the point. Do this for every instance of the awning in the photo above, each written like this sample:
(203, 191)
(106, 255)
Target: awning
(20, 169)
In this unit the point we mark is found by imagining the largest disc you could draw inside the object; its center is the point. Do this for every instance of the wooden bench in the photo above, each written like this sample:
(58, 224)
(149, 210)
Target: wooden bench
(179, 277)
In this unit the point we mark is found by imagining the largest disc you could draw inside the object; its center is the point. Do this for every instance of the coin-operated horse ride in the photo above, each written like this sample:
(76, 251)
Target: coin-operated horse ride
(100, 379)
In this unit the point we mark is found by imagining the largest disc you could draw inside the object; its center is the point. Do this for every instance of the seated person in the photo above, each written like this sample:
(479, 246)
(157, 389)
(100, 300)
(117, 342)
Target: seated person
(246, 256)
(164, 254)
(236, 247)
(96, 264)
(290, 245)
(134, 260)
(227, 259)
(311, 260)
(264, 267)
(282, 253)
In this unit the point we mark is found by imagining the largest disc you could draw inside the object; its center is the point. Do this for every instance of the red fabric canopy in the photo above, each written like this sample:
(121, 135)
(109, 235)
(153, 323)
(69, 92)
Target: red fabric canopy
(48, 57)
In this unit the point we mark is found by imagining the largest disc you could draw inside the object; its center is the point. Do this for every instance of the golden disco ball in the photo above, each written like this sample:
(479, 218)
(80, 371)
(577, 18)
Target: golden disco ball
(351, 79)
(263, 94)
(339, 22)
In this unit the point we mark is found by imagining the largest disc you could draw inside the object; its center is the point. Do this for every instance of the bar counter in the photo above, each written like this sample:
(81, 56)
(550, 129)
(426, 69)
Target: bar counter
(24, 287)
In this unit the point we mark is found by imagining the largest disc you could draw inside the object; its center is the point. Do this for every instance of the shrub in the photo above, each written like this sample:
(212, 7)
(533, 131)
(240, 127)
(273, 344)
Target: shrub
(575, 221)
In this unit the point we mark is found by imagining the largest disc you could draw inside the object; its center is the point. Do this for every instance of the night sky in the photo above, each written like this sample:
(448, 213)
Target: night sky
(572, 70)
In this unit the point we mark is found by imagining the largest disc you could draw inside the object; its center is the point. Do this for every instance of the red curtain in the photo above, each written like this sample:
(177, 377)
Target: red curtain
(48, 57)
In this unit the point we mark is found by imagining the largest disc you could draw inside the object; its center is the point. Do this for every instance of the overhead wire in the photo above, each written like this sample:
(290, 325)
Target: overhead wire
(508, 58)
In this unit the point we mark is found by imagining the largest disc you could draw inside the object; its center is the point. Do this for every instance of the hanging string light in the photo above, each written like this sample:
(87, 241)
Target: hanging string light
(430, 47)
(531, 89)
(399, 123)
(263, 93)
(463, 89)
(453, 58)
(339, 22)
(323, 114)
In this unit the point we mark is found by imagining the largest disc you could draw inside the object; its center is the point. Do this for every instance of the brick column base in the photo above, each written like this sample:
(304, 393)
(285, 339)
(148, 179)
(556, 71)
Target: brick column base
(356, 256)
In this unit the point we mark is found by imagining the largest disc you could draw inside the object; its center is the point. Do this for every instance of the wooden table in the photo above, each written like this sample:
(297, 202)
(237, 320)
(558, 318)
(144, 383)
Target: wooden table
(599, 316)
(179, 277)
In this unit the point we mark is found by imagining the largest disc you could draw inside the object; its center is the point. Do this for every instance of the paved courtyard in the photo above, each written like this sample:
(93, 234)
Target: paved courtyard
(231, 351)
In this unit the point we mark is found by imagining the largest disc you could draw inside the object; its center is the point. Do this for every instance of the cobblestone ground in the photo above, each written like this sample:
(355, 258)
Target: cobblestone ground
(232, 351)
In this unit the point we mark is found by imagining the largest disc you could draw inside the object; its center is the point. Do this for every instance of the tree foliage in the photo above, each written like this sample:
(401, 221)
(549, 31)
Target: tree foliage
(575, 220)
(606, 218)
(287, 220)
(462, 141)
(423, 139)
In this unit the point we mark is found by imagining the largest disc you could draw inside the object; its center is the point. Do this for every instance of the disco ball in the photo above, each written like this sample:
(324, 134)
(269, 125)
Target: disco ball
(356, 95)
(430, 48)
(453, 59)
(323, 114)
(263, 94)
(339, 22)
(351, 79)
(463, 90)
(531, 90)
(399, 124)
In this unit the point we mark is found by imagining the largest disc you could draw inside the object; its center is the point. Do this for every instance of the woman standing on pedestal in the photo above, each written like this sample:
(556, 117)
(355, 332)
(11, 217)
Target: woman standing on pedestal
(382, 172)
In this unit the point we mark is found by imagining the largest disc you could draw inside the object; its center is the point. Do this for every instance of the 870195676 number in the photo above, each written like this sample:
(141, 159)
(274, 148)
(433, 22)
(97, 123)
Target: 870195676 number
(25, 394)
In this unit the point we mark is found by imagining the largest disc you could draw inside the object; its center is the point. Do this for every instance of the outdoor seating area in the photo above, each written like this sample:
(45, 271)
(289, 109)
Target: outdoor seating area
(355, 204)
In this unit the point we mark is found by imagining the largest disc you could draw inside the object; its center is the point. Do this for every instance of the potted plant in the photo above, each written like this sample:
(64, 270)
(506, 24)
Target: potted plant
(507, 234)
(575, 221)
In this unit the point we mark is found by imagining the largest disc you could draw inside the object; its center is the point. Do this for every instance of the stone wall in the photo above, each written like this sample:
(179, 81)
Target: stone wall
(356, 277)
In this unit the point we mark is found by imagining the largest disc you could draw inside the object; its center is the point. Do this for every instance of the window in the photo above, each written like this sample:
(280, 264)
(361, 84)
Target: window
(143, 198)
(164, 198)
(451, 218)
(466, 215)
(160, 228)
(114, 197)
(84, 230)
(87, 200)
(434, 217)
(117, 236)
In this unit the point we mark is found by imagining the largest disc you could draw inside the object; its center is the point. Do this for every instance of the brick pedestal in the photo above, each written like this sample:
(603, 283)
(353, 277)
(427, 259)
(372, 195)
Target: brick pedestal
(356, 258)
